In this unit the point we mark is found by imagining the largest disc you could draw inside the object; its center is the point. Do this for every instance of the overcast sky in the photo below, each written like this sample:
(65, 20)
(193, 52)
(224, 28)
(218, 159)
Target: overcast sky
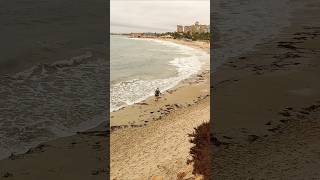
(156, 15)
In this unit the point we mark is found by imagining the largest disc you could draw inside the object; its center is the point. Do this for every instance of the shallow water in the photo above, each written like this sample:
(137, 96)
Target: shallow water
(139, 66)
(53, 70)
(52, 100)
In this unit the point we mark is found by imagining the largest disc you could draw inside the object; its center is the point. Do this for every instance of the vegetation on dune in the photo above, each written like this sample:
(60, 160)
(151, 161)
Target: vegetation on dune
(200, 152)
(193, 37)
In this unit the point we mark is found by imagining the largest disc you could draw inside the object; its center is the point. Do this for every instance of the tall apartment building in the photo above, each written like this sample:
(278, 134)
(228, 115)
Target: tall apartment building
(187, 29)
(179, 29)
(204, 28)
(195, 28)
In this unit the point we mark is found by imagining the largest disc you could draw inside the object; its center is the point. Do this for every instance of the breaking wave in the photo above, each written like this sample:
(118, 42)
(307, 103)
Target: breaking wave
(135, 90)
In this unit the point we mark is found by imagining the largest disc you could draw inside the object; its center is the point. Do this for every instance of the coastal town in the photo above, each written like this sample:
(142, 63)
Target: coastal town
(195, 31)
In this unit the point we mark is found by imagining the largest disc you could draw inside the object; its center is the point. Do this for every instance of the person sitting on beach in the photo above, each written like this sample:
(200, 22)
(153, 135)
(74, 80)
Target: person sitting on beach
(157, 94)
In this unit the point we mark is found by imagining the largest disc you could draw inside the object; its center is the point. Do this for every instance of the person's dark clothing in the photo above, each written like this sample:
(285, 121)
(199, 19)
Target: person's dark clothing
(157, 93)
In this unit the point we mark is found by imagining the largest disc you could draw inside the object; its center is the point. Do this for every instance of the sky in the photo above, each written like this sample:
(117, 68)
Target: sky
(156, 15)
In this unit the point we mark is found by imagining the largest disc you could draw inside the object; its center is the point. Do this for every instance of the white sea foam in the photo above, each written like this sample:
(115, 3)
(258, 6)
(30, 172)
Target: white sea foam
(135, 90)
(50, 101)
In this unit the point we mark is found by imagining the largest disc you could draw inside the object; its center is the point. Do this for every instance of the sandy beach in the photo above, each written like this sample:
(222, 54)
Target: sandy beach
(82, 156)
(266, 105)
(160, 149)
(154, 134)
(158, 146)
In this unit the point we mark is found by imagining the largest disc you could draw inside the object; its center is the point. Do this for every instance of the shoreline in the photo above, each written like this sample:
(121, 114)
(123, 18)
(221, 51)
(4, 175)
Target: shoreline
(27, 125)
(158, 138)
(88, 147)
(195, 78)
(197, 46)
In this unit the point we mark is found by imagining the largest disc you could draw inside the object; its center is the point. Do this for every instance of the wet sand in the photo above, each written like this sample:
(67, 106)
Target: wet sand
(266, 105)
(82, 156)
(185, 94)
(157, 142)
(203, 45)
(149, 140)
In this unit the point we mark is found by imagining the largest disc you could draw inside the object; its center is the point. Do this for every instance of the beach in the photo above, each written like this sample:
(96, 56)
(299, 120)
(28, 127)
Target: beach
(165, 123)
(266, 104)
(158, 144)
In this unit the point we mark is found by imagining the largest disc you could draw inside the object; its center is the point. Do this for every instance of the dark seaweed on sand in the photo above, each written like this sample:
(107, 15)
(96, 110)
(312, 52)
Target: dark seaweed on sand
(200, 152)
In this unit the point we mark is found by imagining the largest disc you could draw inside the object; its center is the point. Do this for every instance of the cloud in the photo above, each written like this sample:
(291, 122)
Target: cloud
(156, 15)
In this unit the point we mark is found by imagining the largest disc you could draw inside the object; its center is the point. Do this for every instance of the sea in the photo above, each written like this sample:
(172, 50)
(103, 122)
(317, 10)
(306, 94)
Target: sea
(53, 71)
(139, 66)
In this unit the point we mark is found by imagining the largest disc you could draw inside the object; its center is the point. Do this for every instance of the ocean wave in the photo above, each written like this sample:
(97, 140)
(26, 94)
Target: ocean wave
(52, 100)
(135, 90)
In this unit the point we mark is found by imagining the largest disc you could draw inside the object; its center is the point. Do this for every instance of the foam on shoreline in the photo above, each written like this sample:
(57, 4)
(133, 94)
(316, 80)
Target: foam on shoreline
(49, 101)
(136, 90)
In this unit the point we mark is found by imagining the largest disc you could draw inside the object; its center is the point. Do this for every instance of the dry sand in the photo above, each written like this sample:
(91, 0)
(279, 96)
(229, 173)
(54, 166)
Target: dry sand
(267, 106)
(203, 45)
(159, 145)
(159, 148)
(82, 157)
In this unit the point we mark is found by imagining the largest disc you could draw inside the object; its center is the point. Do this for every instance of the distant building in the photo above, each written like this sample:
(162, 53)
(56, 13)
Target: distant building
(142, 35)
(204, 28)
(179, 29)
(196, 28)
(187, 29)
(149, 35)
(135, 35)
